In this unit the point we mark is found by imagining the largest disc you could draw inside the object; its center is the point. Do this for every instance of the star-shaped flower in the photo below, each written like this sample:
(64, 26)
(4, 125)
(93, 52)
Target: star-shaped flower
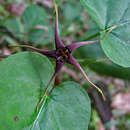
(63, 54)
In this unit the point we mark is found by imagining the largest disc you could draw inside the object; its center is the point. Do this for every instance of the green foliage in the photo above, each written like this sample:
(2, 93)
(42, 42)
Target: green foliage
(32, 26)
(68, 108)
(72, 7)
(109, 13)
(23, 79)
(110, 69)
(33, 16)
(14, 26)
(24, 76)
(58, 2)
(35, 19)
(93, 56)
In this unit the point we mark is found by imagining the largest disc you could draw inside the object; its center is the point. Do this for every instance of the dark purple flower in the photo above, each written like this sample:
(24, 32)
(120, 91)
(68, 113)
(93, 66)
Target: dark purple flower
(63, 54)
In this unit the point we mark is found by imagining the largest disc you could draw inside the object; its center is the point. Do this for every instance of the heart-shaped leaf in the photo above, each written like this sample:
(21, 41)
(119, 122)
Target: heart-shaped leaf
(111, 13)
(67, 109)
(23, 79)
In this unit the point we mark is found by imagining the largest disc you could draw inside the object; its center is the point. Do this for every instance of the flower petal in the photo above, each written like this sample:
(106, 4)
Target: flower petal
(77, 65)
(47, 53)
(72, 47)
(57, 70)
(58, 41)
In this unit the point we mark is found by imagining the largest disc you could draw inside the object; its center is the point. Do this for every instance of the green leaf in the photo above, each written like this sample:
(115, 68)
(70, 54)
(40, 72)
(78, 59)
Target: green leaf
(72, 10)
(58, 2)
(91, 51)
(40, 36)
(23, 77)
(111, 13)
(110, 69)
(31, 27)
(34, 15)
(14, 26)
(67, 109)
(93, 56)
(35, 20)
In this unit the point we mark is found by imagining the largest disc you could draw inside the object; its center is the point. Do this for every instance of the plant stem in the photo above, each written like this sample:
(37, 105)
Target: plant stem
(98, 33)
(92, 36)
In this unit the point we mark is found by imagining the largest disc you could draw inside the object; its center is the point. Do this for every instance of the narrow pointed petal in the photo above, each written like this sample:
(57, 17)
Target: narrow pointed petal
(77, 65)
(47, 53)
(57, 70)
(72, 47)
(58, 41)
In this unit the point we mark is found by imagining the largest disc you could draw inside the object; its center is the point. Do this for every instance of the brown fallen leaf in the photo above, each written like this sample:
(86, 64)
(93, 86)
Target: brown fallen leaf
(15, 9)
(122, 102)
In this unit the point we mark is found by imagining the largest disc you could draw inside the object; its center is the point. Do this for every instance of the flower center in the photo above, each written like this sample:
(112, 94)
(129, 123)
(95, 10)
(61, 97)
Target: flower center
(63, 54)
